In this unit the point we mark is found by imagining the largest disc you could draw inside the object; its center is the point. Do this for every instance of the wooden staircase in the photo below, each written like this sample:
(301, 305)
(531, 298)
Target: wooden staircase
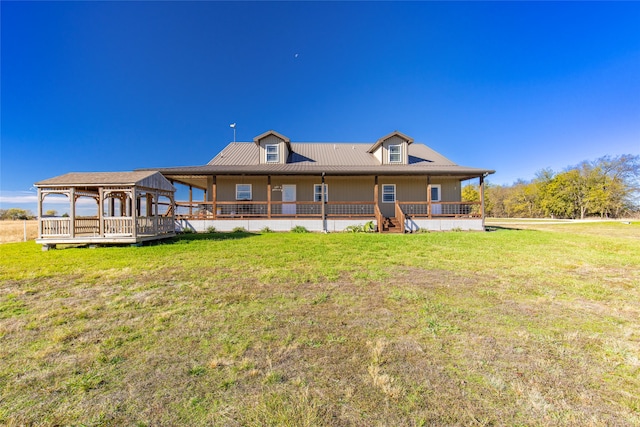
(391, 225)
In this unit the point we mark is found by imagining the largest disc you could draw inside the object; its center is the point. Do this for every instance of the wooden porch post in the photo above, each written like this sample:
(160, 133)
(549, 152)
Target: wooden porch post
(72, 212)
(376, 207)
(322, 201)
(101, 211)
(190, 201)
(269, 196)
(375, 190)
(214, 196)
(156, 219)
(429, 196)
(481, 189)
(149, 208)
(40, 201)
(134, 212)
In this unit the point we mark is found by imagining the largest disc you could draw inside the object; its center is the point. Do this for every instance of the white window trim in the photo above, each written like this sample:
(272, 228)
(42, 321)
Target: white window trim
(399, 153)
(277, 153)
(250, 192)
(394, 193)
(439, 187)
(317, 191)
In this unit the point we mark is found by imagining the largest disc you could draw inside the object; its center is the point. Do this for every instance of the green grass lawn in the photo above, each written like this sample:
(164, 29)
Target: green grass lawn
(511, 327)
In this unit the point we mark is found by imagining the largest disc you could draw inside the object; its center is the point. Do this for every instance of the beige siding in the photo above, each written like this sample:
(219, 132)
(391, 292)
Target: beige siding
(395, 140)
(378, 154)
(282, 148)
(350, 189)
(227, 187)
(407, 189)
(450, 189)
(304, 187)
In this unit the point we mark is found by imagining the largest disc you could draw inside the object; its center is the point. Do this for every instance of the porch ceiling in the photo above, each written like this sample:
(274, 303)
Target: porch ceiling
(199, 179)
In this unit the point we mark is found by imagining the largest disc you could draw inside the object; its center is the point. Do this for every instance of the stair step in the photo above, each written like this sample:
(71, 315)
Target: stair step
(391, 225)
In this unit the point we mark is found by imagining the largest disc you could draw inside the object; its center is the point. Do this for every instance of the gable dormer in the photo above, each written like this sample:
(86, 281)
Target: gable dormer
(274, 147)
(392, 149)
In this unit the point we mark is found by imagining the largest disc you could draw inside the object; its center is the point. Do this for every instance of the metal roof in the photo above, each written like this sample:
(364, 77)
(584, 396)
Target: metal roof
(312, 158)
(379, 142)
(149, 179)
(324, 154)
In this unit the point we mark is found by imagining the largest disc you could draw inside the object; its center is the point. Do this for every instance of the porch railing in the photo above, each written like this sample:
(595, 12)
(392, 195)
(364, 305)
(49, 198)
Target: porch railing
(442, 209)
(250, 209)
(400, 216)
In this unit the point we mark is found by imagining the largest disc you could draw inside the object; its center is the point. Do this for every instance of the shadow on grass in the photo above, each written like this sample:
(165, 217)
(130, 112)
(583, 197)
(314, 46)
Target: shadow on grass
(501, 228)
(191, 237)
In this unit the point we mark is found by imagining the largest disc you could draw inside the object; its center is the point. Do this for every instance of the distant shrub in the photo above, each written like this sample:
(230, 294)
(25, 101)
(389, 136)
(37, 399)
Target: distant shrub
(211, 230)
(456, 229)
(422, 230)
(239, 230)
(188, 230)
(266, 230)
(299, 229)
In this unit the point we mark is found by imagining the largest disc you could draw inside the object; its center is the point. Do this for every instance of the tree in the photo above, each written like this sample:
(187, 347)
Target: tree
(620, 184)
(51, 212)
(607, 187)
(522, 200)
(470, 193)
(16, 213)
(494, 197)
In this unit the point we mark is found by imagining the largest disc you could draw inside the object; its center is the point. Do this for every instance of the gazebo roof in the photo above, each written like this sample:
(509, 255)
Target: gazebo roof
(148, 179)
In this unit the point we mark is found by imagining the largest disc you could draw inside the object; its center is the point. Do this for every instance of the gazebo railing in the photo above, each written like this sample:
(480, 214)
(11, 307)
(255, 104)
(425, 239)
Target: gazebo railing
(120, 225)
(112, 226)
(55, 227)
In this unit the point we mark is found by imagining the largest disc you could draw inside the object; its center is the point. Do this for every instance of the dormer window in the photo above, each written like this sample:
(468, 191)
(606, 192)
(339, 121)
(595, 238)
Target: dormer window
(395, 153)
(272, 153)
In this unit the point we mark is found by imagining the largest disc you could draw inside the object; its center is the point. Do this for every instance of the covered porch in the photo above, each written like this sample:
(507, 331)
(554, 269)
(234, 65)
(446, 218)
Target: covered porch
(327, 202)
(106, 208)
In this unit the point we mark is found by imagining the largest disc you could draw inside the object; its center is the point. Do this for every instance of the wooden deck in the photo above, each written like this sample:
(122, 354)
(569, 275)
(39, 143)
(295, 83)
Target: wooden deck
(109, 230)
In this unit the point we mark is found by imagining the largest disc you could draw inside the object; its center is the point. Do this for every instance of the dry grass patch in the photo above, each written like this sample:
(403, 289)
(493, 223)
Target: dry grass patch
(13, 231)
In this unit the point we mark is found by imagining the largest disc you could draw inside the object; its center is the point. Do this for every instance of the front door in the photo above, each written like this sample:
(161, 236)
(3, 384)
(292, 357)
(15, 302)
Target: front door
(289, 195)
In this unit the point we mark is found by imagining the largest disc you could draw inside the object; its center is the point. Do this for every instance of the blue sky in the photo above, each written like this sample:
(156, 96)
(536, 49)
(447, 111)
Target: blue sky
(511, 86)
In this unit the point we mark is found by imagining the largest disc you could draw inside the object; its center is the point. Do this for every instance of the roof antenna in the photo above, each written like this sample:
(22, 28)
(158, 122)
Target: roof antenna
(233, 126)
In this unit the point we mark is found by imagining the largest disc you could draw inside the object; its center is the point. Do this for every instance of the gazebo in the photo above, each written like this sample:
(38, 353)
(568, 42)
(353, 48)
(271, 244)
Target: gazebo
(106, 208)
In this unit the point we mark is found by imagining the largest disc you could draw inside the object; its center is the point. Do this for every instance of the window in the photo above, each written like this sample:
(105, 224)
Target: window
(317, 193)
(435, 193)
(243, 191)
(272, 153)
(389, 193)
(395, 153)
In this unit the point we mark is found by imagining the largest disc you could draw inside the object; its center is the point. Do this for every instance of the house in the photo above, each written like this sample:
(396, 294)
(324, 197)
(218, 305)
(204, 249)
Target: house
(117, 207)
(276, 183)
